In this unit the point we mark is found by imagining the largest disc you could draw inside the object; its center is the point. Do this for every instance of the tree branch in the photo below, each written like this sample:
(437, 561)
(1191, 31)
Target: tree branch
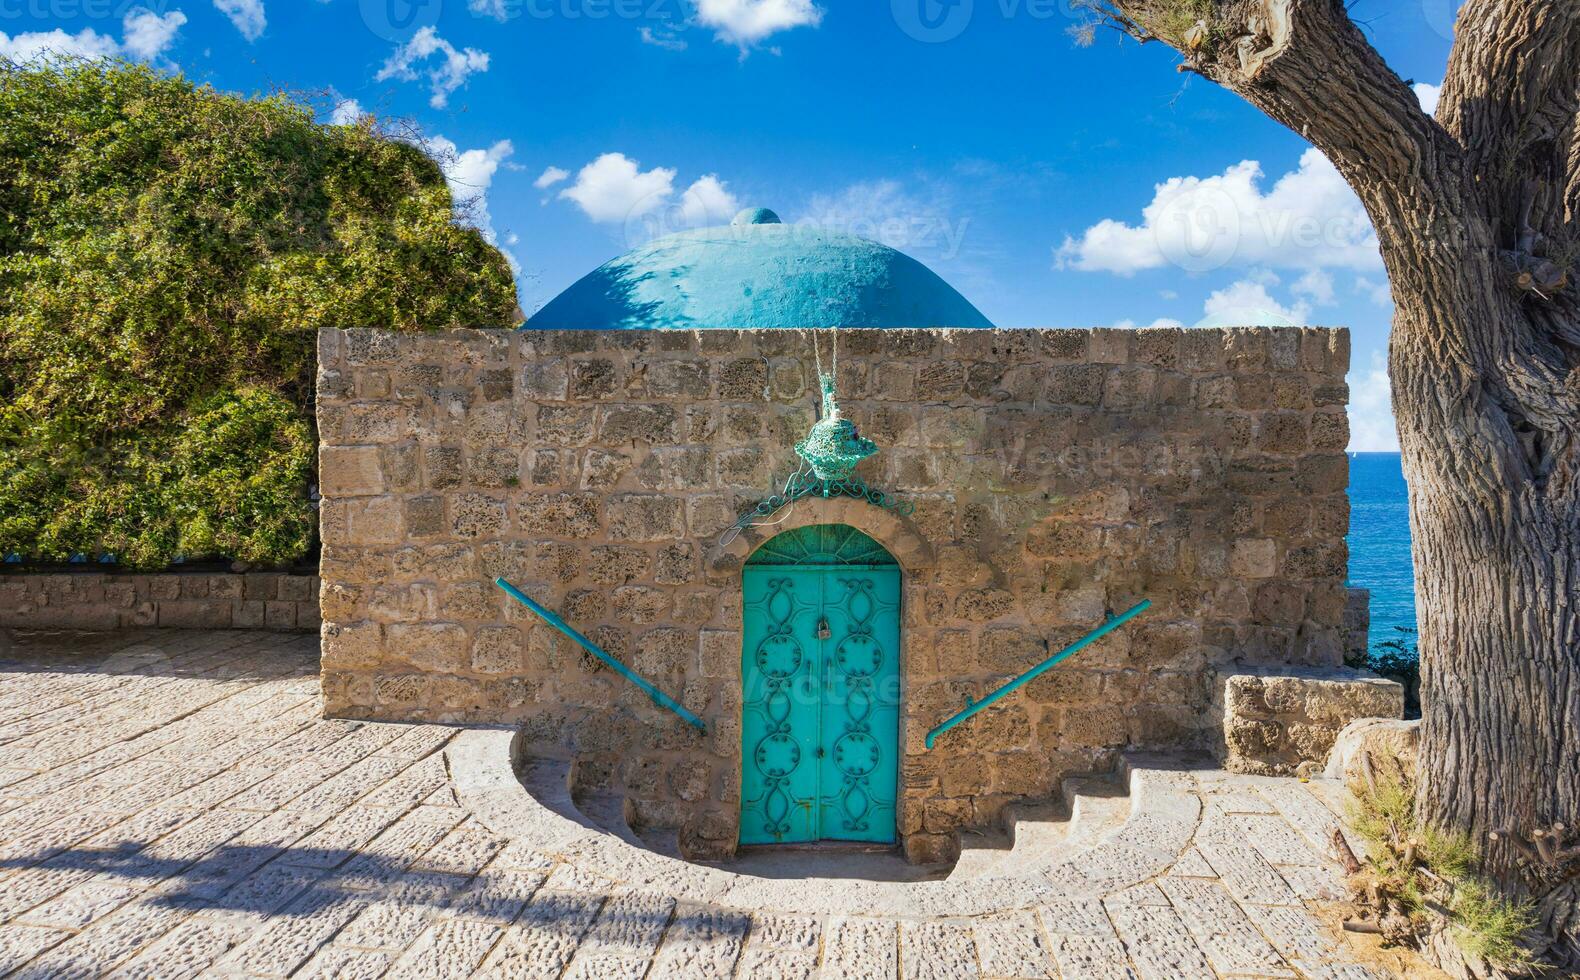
(1305, 64)
(1510, 92)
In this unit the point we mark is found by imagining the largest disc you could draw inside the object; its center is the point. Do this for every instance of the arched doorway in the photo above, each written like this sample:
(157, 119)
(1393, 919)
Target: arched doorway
(820, 675)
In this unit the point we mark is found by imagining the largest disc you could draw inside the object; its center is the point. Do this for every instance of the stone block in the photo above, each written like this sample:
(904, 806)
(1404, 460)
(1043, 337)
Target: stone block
(613, 564)
(566, 425)
(592, 379)
(654, 425)
(477, 515)
(428, 646)
(646, 517)
(1282, 721)
(560, 515)
(497, 650)
(684, 378)
(1254, 558)
(545, 379)
(349, 646)
(1357, 622)
(350, 471)
(245, 613)
(279, 615)
(743, 380)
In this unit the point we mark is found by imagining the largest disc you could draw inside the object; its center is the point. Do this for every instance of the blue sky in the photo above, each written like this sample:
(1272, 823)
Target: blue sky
(1053, 184)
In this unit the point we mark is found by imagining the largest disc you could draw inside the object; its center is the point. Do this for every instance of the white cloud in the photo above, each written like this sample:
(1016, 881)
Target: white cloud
(346, 112)
(1379, 292)
(746, 22)
(550, 177)
(1248, 303)
(146, 37)
(86, 43)
(1162, 321)
(615, 188)
(1372, 426)
(470, 174)
(1429, 96)
(886, 211)
(247, 15)
(149, 35)
(662, 37)
(1309, 218)
(1316, 286)
(707, 202)
(450, 73)
(497, 9)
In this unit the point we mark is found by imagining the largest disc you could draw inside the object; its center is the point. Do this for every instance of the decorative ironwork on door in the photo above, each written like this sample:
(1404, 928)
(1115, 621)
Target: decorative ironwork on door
(820, 674)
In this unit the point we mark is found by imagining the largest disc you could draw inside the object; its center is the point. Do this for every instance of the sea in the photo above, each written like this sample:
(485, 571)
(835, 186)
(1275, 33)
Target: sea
(1380, 544)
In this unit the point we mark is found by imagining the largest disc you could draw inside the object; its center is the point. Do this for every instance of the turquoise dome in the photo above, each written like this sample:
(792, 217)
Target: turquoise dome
(758, 273)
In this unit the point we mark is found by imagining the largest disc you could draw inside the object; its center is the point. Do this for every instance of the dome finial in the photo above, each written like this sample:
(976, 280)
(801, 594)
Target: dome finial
(756, 216)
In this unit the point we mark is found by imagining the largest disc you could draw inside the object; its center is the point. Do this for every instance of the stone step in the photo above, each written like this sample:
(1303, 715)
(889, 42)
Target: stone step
(1097, 808)
(1040, 833)
(606, 810)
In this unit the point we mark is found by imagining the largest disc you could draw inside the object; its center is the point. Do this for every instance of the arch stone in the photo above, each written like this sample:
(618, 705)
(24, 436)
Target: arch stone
(897, 534)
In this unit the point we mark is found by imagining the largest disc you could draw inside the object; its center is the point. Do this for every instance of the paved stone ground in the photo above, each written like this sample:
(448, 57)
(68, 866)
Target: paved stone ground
(172, 805)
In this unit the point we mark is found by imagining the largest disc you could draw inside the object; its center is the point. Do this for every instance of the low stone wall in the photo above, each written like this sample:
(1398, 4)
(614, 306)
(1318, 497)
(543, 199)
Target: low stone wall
(1055, 475)
(194, 600)
(1284, 723)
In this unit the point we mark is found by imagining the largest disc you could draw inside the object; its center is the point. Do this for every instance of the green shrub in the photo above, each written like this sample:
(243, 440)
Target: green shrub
(1426, 873)
(167, 254)
(1398, 660)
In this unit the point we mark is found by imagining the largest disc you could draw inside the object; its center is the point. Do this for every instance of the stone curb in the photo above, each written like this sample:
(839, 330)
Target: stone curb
(1164, 817)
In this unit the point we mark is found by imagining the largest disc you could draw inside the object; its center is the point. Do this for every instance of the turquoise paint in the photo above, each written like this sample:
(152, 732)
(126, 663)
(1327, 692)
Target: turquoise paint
(758, 273)
(820, 681)
(821, 544)
(972, 707)
(659, 697)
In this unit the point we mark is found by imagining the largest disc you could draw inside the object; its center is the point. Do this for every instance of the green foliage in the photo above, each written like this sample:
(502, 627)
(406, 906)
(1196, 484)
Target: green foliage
(1175, 18)
(1491, 927)
(167, 253)
(1430, 870)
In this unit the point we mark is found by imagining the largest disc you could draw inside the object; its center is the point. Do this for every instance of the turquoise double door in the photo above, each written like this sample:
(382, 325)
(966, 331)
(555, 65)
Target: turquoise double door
(821, 713)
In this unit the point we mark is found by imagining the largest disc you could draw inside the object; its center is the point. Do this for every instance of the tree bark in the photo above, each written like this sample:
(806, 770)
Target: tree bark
(1478, 217)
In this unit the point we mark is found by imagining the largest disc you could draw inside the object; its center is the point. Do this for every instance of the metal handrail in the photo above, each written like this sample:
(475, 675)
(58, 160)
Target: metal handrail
(972, 707)
(659, 697)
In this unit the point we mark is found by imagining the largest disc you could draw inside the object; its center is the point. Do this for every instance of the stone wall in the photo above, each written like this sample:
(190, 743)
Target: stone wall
(91, 600)
(1284, 723)
(1055, 474)
(1357, 623)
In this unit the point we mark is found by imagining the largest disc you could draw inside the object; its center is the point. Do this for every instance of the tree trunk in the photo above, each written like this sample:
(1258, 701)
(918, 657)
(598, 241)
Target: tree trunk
(1476, 213)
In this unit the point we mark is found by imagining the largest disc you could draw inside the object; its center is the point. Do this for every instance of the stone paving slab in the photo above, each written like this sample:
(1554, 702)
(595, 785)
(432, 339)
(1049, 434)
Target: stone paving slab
(172, 805)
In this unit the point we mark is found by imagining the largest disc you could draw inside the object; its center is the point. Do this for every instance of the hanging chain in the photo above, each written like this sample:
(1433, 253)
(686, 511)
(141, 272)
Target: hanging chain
(833, 343)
